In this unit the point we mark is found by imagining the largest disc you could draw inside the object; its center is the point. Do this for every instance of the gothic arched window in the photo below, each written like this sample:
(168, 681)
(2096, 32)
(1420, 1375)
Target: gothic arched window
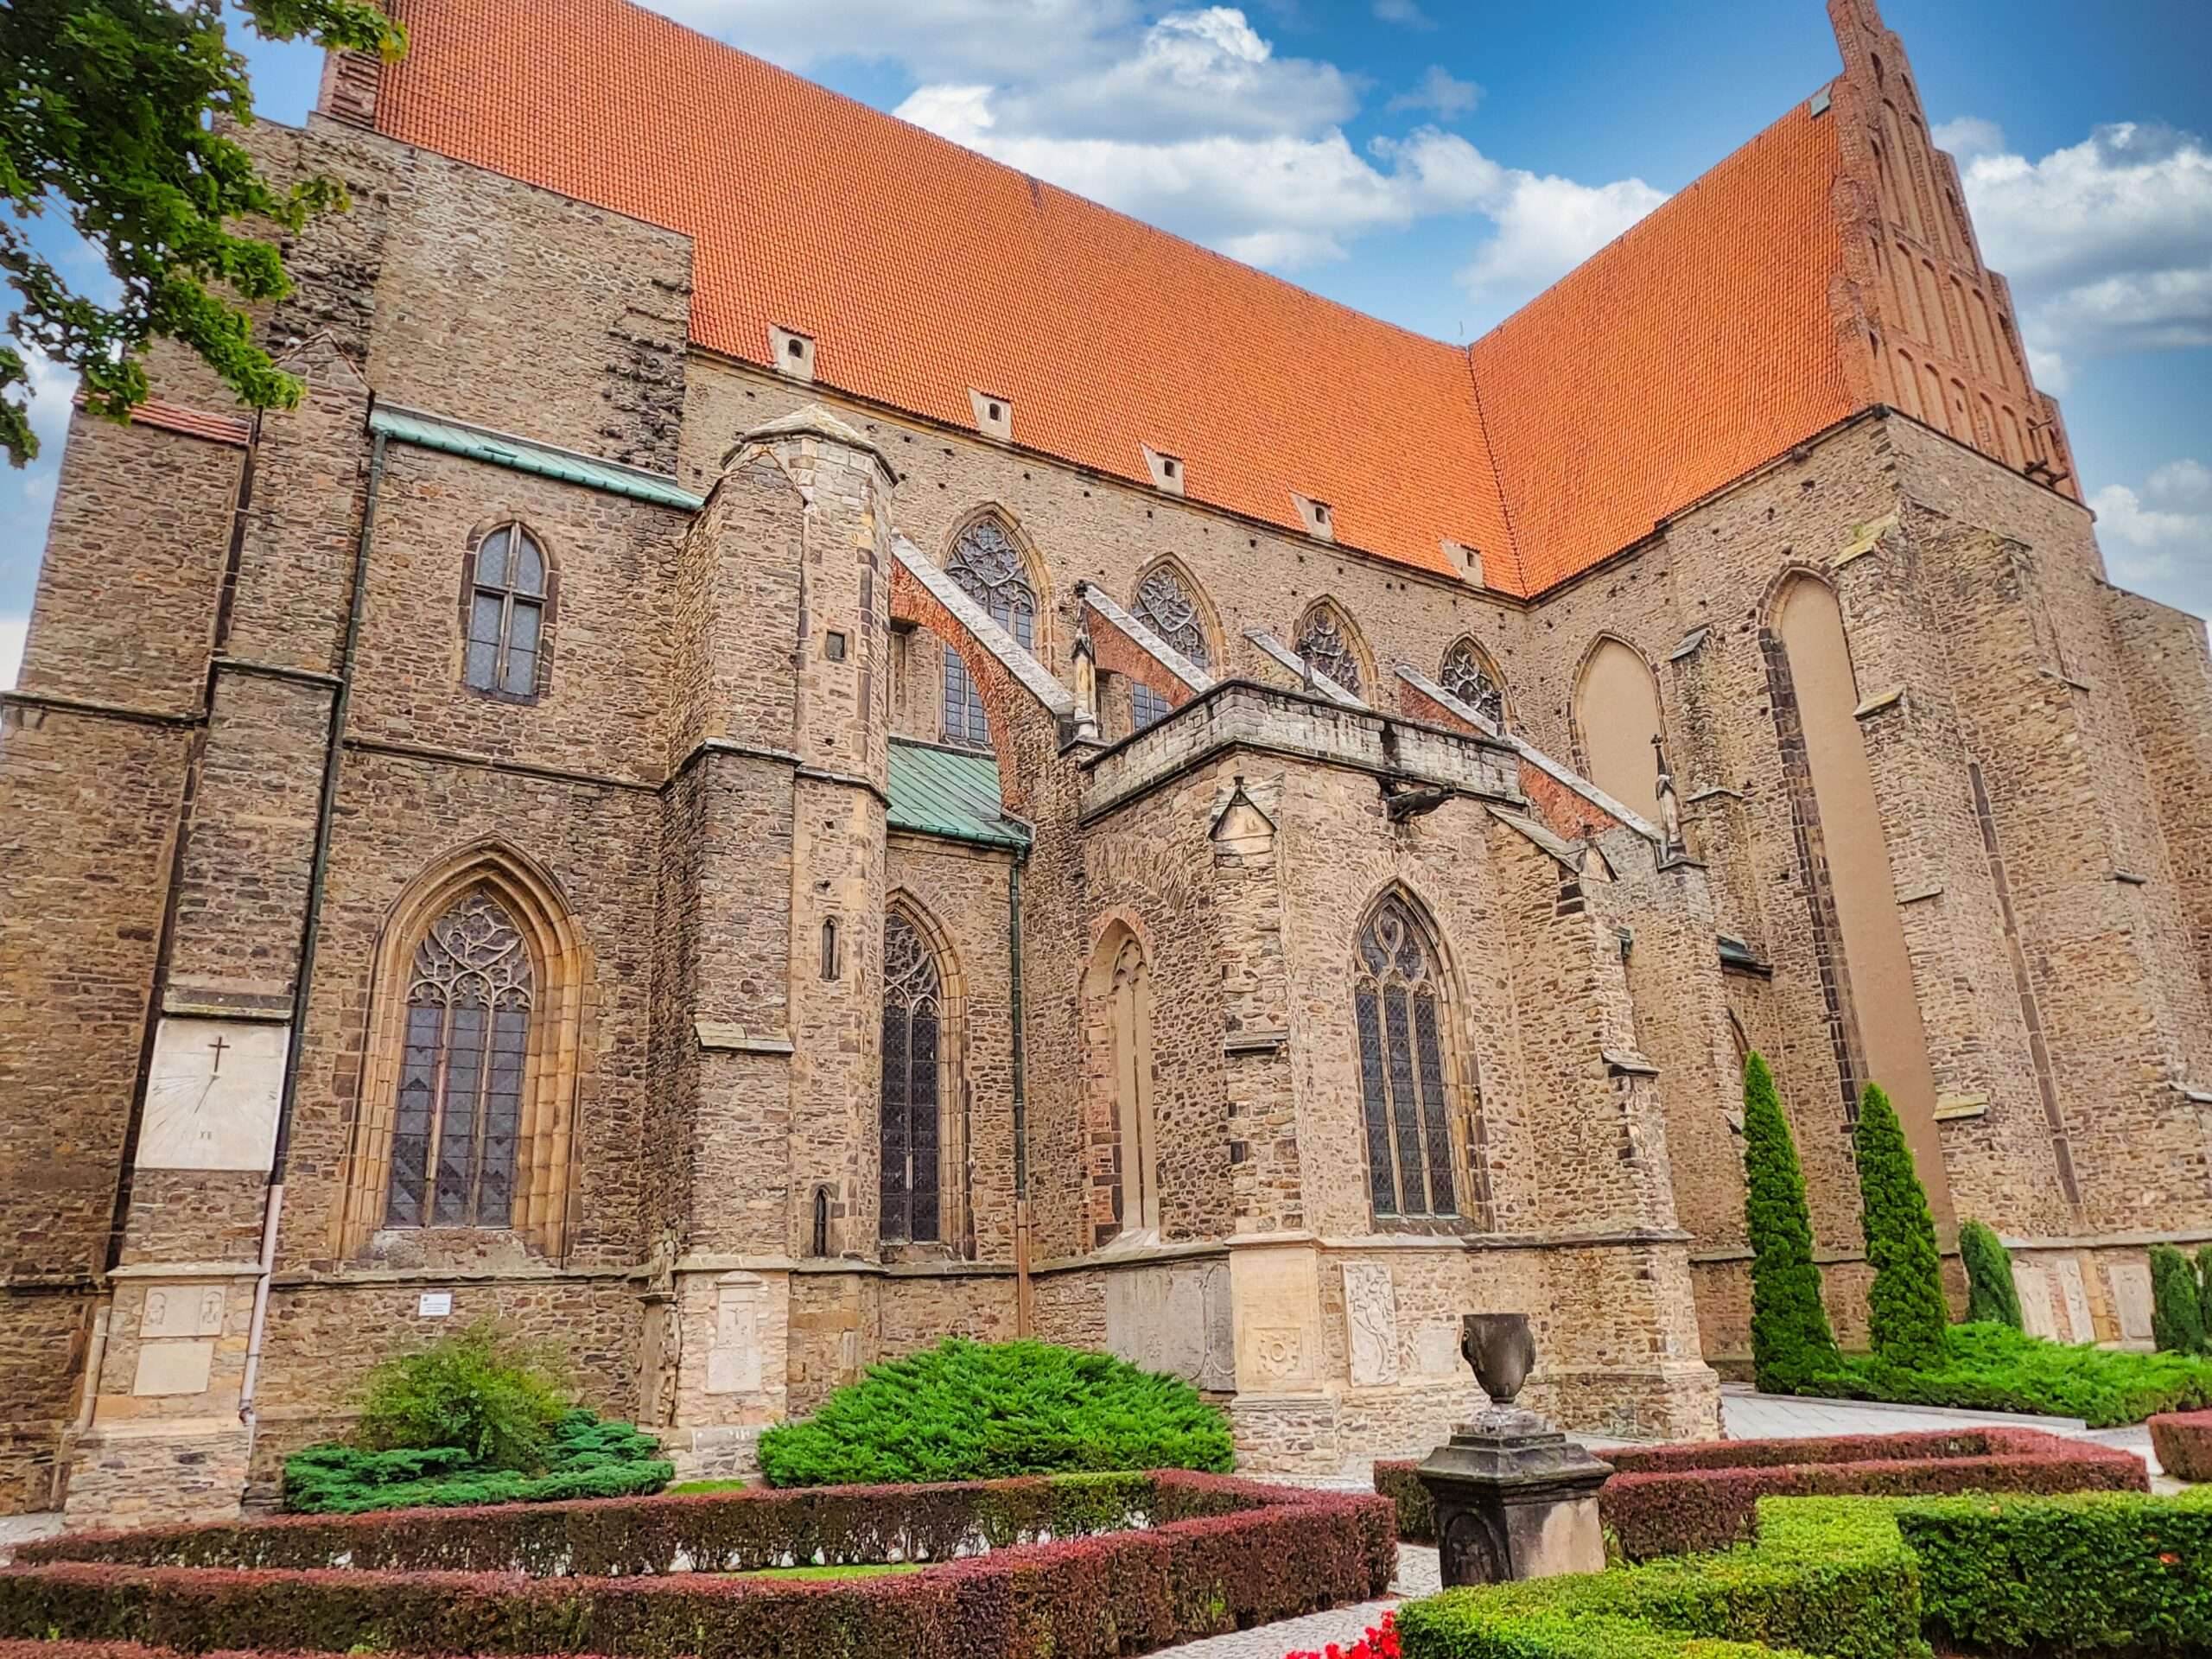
(1467, 676)
(506, 614)
(1399, 1008)
(1165, 605)
(459, 1115)
(913, 1013)
(989, 568)
(1326, 643)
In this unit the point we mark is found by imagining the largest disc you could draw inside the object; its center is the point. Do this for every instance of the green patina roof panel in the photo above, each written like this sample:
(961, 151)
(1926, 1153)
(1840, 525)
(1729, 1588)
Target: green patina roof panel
(499, 449)
(950, 792)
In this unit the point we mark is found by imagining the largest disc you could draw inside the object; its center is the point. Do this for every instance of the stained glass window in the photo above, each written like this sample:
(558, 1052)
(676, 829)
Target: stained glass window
(989, 568)
(1165, 605)
(1322, 643)
(914, 998)
(461, 1077)
(1399, 1013)
(1467, 676)
(506, 614)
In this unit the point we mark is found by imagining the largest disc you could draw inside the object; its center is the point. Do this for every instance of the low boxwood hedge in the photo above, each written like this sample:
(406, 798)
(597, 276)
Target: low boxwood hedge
(2183, 1441)
(2097, 1572)
(1827, 1576)
(1671, 1500)
(1247, 1554)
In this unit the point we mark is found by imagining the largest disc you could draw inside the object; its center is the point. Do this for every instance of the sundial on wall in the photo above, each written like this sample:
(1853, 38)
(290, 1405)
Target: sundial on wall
(212, 1094)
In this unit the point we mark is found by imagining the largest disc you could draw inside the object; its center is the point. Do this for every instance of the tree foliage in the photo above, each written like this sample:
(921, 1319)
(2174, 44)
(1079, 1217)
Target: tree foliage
(1792, 1342)
(2177, 1302)
(118, 116)
(479, 1392)
(1907, 1318)
(1991, 1297)
(981, 1411)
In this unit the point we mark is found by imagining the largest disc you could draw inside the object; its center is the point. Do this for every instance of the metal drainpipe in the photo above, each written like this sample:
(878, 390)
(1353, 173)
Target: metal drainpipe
(309, 932)
(1013, 1005)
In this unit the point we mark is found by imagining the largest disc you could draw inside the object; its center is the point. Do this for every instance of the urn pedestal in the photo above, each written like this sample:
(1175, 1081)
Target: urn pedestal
(1515, 1497)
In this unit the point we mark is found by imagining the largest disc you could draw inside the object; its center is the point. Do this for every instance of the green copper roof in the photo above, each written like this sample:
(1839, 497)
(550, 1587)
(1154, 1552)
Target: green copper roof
(949, 793)
(500, 449)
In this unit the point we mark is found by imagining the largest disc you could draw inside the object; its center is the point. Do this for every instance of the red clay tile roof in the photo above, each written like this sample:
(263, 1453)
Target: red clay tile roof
(191, 423)
(1688, 351)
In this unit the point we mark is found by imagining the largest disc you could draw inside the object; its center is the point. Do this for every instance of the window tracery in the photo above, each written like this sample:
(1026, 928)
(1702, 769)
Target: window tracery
(1166, 607)
(1466, 675)
(1323, 643)
(466, 1045)
(506, 614)
(913, 1006)
(1399, 1009)
(990, 570)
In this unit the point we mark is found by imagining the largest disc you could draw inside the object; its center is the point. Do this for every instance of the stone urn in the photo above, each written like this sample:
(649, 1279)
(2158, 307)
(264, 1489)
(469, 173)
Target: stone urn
(1515, 1497)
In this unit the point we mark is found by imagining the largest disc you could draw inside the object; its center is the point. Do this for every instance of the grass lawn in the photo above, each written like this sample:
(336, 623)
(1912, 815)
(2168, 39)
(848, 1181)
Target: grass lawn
(862, 1571)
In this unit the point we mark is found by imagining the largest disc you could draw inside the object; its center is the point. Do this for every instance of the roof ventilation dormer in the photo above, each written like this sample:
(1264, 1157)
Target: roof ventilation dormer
(1319, 522)
(994, 415)
(1167, 470)
(1467, 561)
(792, 353)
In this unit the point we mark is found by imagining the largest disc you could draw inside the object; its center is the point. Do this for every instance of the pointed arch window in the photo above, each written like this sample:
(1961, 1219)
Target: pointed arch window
(1399, 1010)
(1164, 605)
(1467, 675)
(506, 614)
(1324, 643)
(462, 1076)
(989, 569)
(913, 1014)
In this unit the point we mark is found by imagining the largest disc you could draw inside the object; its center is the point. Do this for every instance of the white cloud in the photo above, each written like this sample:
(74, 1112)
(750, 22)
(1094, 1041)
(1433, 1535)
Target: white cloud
(2108, 243)
(1439, 91)
(1403, 11)
(2158, 540)
(27, 495)
(1547, 225)
(12, 629)
(1969, 136)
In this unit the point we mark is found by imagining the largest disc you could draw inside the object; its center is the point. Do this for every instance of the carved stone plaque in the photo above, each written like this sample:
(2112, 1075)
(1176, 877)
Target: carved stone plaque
(174, 1367)
(2131, 1298)
(182, 1310)
(1371, 1319)
(734, 1361)
(2067, 1276)
(2037, 1312)
(1175, 1320)
(1278, 1319)
(211, 1096)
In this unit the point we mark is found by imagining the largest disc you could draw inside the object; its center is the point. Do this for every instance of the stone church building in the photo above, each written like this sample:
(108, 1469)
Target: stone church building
(805, 742)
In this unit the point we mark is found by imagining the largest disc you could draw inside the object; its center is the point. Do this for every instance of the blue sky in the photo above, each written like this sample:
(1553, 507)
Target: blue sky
(1436, 164)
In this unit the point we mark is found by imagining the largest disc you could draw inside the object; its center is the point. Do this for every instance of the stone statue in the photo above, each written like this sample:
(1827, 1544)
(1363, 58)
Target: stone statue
(1670, 808)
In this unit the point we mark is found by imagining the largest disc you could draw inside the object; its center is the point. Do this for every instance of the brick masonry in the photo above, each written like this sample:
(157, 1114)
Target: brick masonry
(692, 807)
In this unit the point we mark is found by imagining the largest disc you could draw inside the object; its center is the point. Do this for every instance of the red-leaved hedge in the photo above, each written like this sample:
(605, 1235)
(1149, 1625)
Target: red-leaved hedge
(2183, 1441)
(1670, 1500)
(1247, 1554)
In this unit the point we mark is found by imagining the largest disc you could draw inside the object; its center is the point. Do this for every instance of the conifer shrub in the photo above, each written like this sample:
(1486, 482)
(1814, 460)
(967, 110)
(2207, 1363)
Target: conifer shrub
(479, 1390)
(1991, 1297)
(1792, 1345)
(2204, 1289)
(1907, 1316)
(2177, 1302)
(984, 1411)
(585, 1457)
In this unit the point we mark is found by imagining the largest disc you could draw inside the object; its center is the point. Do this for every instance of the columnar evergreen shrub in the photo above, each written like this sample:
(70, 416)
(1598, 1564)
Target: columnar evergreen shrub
(1991, 1297)
(1907, 1316)
(1791, 1343)
(2177, 1309)
(981, 1411)
(2204, 1289)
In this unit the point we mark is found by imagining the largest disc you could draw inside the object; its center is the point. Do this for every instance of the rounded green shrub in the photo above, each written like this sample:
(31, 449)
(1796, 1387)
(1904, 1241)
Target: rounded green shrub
(1991, 1297)
(2177, 1302)
(981, 1411)
(480, 1391)
(1907, 1316)
(1792, 1342)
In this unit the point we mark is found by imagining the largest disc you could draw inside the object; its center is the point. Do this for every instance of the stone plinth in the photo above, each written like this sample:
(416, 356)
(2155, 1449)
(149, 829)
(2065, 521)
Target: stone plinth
(1515, 1499)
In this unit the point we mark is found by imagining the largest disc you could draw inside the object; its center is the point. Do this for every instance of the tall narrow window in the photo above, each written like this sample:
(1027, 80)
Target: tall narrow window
(1326, 643)
(913, 1009)
(1165, 605)
(506, 614)
(1467, 676)
(820, 1238)
(1398, 1005)
(461, 1072)
(989, 568)
(1137, 1192)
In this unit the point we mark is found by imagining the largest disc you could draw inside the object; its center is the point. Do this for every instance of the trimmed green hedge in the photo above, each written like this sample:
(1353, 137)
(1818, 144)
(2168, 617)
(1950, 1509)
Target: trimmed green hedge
(2093, 1572)
(586, 1457)
(1827, 1576)
(988, 1411)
